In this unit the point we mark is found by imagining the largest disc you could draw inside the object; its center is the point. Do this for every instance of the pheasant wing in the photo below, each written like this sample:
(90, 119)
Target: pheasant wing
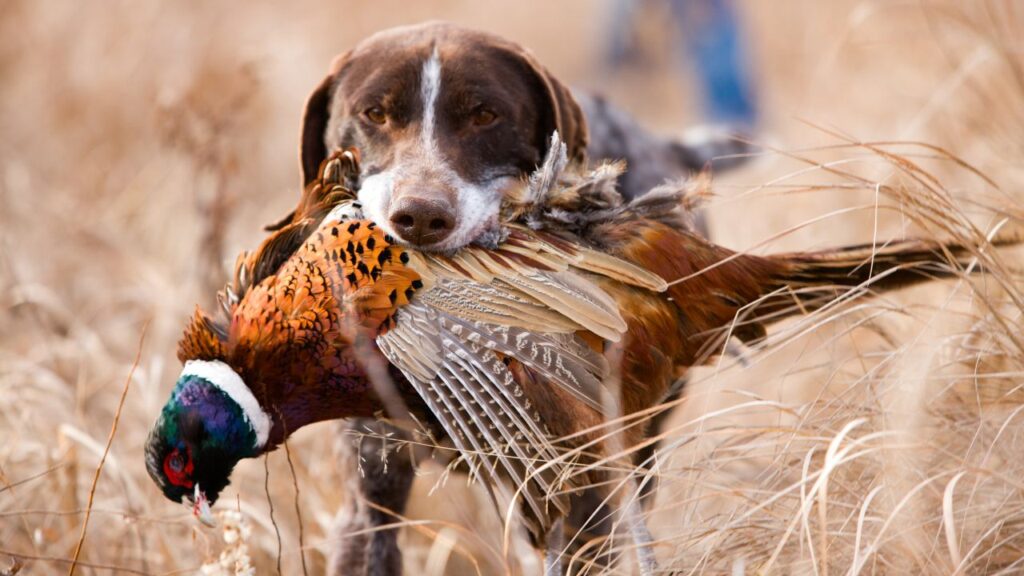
(457, 367)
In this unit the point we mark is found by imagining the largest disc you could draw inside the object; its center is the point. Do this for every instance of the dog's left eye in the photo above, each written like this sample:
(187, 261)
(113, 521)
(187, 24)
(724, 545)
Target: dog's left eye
(376, 115)
(483, 117)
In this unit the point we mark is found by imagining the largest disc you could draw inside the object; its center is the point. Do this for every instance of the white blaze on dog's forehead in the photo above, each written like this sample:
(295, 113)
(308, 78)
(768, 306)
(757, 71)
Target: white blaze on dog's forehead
(226, 379)
(430, 88)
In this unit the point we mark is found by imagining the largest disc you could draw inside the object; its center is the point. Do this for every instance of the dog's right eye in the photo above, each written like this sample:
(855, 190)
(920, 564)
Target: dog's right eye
(376, 115)
(483, 117)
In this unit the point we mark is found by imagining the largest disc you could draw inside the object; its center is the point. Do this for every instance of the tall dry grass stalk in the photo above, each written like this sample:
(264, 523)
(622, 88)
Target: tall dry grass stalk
(144, 144)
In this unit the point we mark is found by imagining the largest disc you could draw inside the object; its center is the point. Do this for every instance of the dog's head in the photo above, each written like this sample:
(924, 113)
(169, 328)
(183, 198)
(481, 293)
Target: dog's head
(445, 119)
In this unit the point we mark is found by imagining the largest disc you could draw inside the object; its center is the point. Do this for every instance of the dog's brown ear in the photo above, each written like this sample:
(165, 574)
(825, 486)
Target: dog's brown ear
(572, 125)
(312, 149)
(562, 114)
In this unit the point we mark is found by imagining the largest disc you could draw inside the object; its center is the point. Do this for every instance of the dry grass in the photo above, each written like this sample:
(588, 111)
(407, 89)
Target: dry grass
(144, 144)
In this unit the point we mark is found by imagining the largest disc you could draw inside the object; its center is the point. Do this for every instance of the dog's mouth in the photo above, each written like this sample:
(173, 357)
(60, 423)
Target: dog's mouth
(440, 214)
(487, 233)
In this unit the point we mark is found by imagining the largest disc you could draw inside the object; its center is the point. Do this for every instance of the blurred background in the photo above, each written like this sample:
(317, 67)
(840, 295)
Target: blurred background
(144, 144)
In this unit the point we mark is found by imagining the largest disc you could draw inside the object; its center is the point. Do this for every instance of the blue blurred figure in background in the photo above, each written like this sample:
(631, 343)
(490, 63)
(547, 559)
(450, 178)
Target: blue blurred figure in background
(709, 36)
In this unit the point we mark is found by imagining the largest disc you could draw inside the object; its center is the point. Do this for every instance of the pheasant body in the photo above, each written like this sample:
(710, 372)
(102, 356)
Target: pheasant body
(502, 346)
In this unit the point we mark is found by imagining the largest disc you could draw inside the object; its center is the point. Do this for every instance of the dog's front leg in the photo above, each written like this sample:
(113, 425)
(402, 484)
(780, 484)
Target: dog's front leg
(380, 475)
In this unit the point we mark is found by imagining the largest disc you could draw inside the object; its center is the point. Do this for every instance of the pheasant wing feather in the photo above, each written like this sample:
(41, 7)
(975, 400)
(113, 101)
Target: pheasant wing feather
(496, 304)
(476, 399)
(558, 358)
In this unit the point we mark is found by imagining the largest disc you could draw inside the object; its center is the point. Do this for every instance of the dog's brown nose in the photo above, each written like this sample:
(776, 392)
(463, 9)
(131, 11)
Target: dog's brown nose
(420, 221)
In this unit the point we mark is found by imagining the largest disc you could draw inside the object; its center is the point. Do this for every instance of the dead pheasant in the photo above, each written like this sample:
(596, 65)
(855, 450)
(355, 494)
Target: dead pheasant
(501, 347)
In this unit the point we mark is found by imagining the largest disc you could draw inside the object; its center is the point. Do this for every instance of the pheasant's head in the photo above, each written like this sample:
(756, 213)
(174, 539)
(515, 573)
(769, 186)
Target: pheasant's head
(211, 421)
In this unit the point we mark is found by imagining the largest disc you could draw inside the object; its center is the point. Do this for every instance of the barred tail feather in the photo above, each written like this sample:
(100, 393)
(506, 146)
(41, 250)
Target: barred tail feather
(803, 279)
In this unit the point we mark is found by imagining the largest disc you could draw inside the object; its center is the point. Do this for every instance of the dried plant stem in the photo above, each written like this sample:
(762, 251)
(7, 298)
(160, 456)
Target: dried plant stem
(270, 503)
(106, 450)
(58, 560)
(298, 509)
(12, 485)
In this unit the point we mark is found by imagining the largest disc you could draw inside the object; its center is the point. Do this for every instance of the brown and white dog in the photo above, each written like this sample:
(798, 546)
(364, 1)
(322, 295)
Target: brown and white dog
(447, 119)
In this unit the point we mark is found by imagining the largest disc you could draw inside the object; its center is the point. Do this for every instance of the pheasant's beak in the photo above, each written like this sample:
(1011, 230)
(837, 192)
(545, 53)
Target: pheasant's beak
(201, 508)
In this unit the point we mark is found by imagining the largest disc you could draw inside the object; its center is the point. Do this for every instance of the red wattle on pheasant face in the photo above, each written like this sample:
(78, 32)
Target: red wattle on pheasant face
(178, 468)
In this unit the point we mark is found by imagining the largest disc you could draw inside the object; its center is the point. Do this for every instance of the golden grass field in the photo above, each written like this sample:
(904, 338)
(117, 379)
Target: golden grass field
(144, 144)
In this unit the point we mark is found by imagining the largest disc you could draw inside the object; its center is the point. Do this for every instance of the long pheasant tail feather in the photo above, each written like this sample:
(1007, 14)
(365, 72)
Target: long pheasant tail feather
(802, 276)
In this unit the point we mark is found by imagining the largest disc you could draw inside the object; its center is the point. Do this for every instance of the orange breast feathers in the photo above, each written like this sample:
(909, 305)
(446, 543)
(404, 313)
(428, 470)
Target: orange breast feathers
(347, 274)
